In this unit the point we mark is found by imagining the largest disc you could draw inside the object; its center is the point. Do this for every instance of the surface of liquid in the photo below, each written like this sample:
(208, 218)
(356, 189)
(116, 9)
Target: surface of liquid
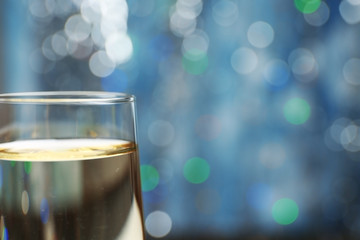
(70, 189)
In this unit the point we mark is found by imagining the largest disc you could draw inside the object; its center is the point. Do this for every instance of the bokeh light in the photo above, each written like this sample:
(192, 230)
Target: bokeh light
(183, 20)
(158, 224)
(195, 61)
(76, 28)
(25, 202)
(119, 47)
(44, 211)
(319, 17)
(189, 9)
(27, 167)
(307, 6)
(244, 60)
(149, 177)
(196, 170)
(350, 11)
(58, 43)
(297, 111)
(303, 64)
(276, 72)
(101, 65)
(197, 41)
(260, 34)
(351, 71)
(225, 13)
(285, 211)
(161, 133)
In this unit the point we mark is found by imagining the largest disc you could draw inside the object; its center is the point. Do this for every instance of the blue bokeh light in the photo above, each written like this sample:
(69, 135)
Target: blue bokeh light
(44, 210)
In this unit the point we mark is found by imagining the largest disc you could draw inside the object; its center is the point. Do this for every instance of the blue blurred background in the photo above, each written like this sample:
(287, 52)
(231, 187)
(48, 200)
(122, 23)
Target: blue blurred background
(248, 110)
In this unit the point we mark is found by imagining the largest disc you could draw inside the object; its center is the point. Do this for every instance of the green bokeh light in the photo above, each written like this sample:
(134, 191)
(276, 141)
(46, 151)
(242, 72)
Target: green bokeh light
(196, 170)
(297, 111)
(307, 6)
(149, 177)
(27, 167)
(285, 211)
(195, 61)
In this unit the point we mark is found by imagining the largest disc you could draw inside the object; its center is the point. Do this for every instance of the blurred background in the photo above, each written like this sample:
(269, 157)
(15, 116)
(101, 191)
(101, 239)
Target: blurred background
(248, 110)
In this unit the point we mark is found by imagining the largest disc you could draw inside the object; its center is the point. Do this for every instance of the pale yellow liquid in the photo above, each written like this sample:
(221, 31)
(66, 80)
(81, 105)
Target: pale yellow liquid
(70, 189)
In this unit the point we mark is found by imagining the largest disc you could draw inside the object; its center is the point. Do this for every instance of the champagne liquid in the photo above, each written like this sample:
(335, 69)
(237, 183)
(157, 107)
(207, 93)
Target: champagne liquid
(70, 189)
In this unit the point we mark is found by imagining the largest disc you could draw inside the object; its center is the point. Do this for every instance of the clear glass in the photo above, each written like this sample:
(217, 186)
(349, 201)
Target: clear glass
(69, 167)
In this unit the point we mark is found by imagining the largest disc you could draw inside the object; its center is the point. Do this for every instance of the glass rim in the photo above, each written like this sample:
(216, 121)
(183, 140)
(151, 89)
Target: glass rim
(66, 97)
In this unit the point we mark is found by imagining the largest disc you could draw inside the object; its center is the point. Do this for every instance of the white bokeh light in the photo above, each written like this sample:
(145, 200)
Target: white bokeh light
(225, 13)
(181, 26)
(350, 12)
(90, 11)
(197, 40)
(161, 133)
(302, 61)
(25, 202)
(244, 60)
(76, 28)
(260, 34)
(119, 47)
(80, 50)
(158, 224)
(189, 9)
(354, 2)
(47, 49)
(38, 9)
(319, 17)
(337, 127)
(116, 10)
(100, 64)
(351, 71)
(348, 134)
(58, 43)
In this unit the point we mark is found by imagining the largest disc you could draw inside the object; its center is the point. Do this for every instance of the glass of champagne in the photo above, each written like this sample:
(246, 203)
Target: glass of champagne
(69, 167)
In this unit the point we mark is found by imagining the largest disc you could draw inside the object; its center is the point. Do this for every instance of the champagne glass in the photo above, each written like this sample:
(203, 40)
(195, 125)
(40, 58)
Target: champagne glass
(69, 167)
